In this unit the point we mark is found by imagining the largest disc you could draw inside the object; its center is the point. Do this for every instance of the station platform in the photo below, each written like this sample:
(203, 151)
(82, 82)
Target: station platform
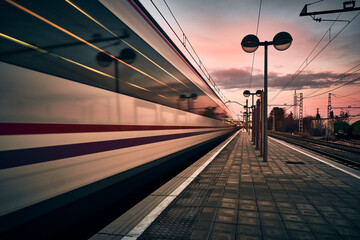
(231, 193)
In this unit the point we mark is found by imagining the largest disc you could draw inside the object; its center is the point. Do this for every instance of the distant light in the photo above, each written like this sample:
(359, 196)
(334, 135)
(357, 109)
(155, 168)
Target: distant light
(246, 93)
(282, 41)
(250, 43)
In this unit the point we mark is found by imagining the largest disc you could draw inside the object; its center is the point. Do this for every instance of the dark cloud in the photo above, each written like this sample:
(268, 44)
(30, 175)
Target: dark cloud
(240, 78)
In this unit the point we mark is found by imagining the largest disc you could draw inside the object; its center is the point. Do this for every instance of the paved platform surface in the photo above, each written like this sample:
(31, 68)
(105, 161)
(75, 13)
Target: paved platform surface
(237, 196)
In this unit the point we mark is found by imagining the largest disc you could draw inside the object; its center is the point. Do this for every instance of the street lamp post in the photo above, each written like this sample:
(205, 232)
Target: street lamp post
(246, 94)
(249, 44)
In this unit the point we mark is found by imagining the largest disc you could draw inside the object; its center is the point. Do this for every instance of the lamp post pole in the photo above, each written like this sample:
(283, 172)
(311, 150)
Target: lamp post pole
(265, 123)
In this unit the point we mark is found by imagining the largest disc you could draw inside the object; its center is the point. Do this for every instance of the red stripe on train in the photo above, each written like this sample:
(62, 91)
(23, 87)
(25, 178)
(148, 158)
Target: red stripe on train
(47, 128)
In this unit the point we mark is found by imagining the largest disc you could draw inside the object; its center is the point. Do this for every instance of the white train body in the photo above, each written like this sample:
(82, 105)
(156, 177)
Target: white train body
(63, 125)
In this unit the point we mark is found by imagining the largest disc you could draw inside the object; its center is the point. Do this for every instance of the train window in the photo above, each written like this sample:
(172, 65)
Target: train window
(83, 41)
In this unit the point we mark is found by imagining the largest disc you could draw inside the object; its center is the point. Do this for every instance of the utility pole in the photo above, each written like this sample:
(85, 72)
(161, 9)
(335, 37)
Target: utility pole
(301, 129)
(273, 127)
(295, 105)
(328, 116)
(247, 116)
(329, 106)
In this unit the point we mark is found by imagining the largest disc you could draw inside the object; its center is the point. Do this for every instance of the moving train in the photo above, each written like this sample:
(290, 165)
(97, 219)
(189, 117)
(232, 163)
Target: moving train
(91, 92)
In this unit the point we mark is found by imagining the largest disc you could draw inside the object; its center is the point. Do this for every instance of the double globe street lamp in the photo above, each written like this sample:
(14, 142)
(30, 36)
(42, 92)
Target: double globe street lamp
(249, 44)
(247, 94)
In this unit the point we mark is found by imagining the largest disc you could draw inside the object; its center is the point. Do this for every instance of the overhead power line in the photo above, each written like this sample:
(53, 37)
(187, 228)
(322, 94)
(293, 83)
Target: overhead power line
(253, 59)
(344, 75)
(333, 89)
(307, 61)
(187, 44)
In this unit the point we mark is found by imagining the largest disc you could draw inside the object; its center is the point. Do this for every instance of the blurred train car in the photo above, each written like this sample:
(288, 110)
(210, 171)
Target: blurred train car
(91, 90)
(355, 129)
(342, 129)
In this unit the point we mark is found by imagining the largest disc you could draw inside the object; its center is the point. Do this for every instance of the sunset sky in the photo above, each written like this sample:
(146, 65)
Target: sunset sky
(216, 28)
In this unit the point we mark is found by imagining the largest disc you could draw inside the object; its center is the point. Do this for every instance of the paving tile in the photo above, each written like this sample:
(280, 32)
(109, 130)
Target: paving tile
(309, 212)
(269, 215)
(300, 235)
(271, 223)
(265, 203)
(274, 232)
(248, 220)
(229, 200)
(348, 231)
(348, 211)
(296, 226)
(322, 228)
(283, 204)
(212, 203)
(339, 222)
(221, 236)
(228, 205)
(199, 235)
(311, 219)
(208, 214)
(247, 196)
(226, 219)
(247, 207)
(291, 217)
(331, 215)
(224, 227)
(227, 212)
(247, 202)
(245, 213)
(305, 206)
(323, 236)
(288, 210)
(203, 225)
(267, 209)
(247, 237)
(248, 230)
(326, 208)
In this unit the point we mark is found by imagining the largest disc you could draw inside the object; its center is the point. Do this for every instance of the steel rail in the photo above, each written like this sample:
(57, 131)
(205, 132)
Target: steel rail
(302, 143)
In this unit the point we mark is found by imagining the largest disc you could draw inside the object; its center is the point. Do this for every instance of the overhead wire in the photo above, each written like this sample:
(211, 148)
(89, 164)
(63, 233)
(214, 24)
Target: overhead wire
(306, 61)
(198, 61)
(298, 71)
(253, 59)
(184, 41)
(333, 89)
(344, 75)
(350, 94)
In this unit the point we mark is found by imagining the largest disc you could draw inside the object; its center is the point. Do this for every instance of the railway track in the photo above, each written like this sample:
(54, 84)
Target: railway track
(349, 142)
(346, 155)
